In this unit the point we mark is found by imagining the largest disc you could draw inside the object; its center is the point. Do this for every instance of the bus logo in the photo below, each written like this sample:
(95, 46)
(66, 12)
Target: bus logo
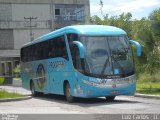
(57, 64)
(40, 74)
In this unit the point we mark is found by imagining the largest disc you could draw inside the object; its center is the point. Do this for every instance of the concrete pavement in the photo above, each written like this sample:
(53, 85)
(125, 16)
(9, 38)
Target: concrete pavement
(54, 104)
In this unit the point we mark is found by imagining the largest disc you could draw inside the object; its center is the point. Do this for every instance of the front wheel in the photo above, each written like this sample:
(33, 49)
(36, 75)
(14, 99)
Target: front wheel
(68, 95)
(110, 98)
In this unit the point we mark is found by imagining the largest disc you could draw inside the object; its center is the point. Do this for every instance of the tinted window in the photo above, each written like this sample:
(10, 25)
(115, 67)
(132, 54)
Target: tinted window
(72, 37)
(52, 48)
(57, 11)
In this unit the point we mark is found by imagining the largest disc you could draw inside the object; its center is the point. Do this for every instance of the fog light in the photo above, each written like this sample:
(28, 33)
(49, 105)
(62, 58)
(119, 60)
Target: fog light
(90, 92)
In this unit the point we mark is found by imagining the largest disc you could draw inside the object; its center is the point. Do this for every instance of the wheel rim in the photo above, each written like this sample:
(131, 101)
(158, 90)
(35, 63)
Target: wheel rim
(68, 91)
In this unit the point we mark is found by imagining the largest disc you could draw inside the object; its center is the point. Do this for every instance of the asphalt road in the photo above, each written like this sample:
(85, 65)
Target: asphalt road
(54, 104)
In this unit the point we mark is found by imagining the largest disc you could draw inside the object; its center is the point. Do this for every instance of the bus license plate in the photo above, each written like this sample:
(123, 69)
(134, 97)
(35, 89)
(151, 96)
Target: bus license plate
(114, 91)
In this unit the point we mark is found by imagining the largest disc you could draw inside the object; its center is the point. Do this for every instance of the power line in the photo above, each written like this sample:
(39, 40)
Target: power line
(31, 26)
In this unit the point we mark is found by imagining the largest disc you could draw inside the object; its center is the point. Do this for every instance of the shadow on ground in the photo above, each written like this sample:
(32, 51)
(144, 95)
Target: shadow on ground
(85, 102)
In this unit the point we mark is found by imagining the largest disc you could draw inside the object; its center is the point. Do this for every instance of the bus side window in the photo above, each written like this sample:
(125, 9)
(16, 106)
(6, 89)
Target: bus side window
(22, 54)
(63, 49)
(72, 37)
(36, 53)
(39, 51)
(44, 51)
(77, 59)
(58, 48)
(31, 53)
(27, 54)
(50, 49)
(74, 51)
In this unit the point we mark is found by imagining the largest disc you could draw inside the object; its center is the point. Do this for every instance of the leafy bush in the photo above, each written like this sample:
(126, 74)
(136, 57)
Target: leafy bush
(1, 80)
(17, 71)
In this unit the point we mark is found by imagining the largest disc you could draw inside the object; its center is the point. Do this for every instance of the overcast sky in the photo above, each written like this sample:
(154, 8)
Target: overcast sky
(138, 8)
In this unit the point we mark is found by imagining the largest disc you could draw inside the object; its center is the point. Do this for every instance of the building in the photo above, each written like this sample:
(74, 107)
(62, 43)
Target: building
(24, 20)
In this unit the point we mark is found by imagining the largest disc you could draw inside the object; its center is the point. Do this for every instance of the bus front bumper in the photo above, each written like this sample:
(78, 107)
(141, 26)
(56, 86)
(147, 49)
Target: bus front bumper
(91, 90)
(102, 92)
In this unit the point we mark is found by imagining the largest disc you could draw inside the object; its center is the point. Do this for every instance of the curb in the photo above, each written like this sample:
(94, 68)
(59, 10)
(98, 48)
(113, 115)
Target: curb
(147, 96)
(15, 99)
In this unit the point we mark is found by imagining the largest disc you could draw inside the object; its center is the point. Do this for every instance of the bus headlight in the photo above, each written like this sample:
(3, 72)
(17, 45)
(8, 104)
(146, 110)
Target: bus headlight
(90, 83)
(79, 89)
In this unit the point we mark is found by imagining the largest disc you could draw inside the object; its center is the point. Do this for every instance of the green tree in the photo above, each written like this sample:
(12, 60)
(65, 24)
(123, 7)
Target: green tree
(123, 21)
(147, 32)
(153, 58)
(96, 20)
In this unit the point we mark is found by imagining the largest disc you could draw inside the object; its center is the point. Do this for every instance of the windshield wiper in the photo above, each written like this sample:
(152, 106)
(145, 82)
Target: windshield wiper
(105, 65)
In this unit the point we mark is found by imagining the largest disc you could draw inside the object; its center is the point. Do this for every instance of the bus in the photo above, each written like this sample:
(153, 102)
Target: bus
(84, 61)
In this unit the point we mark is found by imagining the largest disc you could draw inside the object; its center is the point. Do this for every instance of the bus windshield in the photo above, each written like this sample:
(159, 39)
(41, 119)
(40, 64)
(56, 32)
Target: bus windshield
(107, 55)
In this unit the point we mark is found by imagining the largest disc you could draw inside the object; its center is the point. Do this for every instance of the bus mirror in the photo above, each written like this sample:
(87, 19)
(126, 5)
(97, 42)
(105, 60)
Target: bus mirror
(138, 47)
(80, 47)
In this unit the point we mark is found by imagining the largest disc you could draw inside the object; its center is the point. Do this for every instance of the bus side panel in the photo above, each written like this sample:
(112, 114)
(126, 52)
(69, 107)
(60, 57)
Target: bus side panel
(58, 71)
(78, 88)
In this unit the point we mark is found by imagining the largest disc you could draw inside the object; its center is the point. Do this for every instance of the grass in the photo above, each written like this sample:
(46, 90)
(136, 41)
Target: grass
(4, 94)
(148, 88)
(148, 84)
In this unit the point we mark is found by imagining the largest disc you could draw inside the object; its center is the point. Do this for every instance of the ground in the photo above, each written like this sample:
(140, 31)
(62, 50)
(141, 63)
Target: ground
(53, 104)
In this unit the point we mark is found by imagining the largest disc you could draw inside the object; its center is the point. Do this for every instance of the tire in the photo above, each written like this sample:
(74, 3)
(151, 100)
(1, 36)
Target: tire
(68, 95)
(110, 98)
(32, 87)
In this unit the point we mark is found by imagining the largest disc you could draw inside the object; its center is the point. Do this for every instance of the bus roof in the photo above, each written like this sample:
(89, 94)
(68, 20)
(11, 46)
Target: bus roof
(95, 30)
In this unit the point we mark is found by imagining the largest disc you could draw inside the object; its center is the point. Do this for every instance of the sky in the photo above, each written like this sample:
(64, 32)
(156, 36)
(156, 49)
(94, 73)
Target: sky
(138, 8)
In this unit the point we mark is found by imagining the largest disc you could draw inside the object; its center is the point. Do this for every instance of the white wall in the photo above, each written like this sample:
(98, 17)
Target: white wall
(41, 11)
(21, 37)
(19, 11)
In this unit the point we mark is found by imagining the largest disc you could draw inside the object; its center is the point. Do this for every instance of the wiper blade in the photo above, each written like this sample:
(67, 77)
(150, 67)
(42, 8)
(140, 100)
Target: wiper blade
(105, 65)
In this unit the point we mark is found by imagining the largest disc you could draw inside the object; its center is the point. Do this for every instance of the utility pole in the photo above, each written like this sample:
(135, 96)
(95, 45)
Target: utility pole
(31, 26)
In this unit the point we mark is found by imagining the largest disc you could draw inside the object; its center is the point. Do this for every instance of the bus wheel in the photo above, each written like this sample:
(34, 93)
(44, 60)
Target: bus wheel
(110, 98)
(68, 95)
(32, 87)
